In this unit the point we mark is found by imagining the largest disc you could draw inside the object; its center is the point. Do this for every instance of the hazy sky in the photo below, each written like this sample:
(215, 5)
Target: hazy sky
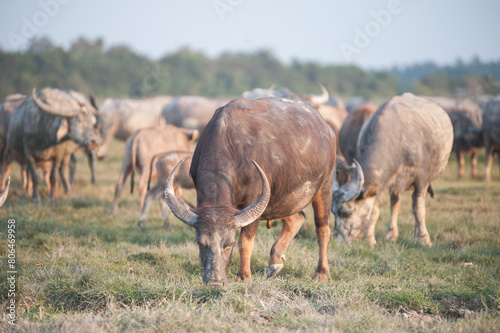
(369, 33)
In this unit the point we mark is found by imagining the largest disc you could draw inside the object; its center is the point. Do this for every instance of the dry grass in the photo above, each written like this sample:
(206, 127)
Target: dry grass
(82, 270)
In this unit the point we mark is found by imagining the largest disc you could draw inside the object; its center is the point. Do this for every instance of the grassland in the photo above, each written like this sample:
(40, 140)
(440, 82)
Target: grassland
(81, 270)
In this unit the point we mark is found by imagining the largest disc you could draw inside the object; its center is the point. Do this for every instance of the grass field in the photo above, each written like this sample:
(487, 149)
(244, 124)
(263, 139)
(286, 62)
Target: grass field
(80, 270)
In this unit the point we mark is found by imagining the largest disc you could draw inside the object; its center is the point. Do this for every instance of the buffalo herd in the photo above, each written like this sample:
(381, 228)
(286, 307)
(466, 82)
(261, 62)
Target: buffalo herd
(264, 156)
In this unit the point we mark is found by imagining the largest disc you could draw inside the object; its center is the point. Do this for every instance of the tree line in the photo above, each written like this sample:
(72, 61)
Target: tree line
(118, 71)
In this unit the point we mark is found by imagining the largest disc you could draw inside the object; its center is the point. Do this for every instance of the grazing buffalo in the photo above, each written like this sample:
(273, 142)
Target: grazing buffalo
(165, 163)
(49, 126)
(192, 112)
(491, 133)
(405, 144)
(466, 118)
(141, 147)
(348, 136)
(258, 159)
(120, 118)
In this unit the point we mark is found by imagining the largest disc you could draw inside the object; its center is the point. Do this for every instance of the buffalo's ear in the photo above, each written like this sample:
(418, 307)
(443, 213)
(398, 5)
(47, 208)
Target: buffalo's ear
(194, 135)
(92, 101)
(63, 129)
(369, 192)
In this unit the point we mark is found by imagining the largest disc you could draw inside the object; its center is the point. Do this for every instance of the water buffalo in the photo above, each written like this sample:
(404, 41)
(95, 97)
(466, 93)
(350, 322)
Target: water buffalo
(405, 144)
(49, 126)
(192, 112)
(491, 133)
(348, 134)
(165, 163)
(258, 159)
(140, 149)
(120, 118)
(466, 118)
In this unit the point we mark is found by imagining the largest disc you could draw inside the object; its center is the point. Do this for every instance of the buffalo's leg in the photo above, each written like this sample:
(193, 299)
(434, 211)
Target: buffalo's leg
(155, 192)
(245, 245)
(461, 163)
(5, 173)
(370, 232)
(72, 168)
(126, 170)
(291, 226)
(91, 160)
(473, 163)
(30, 161)
(65, 173)
(322, 203)
(392, 231)
(46, 168)
(165, 212)
(421, 232)
(25, 178)
(488, 159)
(143, 185)
(54, 178)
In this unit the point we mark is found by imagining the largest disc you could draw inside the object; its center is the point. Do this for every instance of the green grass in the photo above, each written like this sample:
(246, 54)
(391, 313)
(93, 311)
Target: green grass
(80, 269)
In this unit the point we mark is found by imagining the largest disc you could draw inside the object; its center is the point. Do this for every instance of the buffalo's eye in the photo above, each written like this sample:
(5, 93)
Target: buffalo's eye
(342, 213)
(203, 246)
(228, 247)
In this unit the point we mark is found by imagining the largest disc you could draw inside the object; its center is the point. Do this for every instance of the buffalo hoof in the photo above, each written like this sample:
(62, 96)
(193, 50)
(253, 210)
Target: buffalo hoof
(242, 277)
(391, 236)
(273, 270)
(139, 225)
(321, 276)
(426, 242)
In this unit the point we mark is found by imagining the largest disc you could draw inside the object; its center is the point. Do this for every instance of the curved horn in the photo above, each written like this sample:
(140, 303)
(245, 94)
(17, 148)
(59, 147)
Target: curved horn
(255, 209)
(180, 209)
(3, 195)
(52, 110)
(360, 180)
(320, 99)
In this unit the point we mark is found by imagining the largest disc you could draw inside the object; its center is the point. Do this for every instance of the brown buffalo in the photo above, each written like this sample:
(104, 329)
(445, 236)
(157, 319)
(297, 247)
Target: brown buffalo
(258, 160)
(405, 144)
(348, 136)
(140, 149)
(164, 164)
